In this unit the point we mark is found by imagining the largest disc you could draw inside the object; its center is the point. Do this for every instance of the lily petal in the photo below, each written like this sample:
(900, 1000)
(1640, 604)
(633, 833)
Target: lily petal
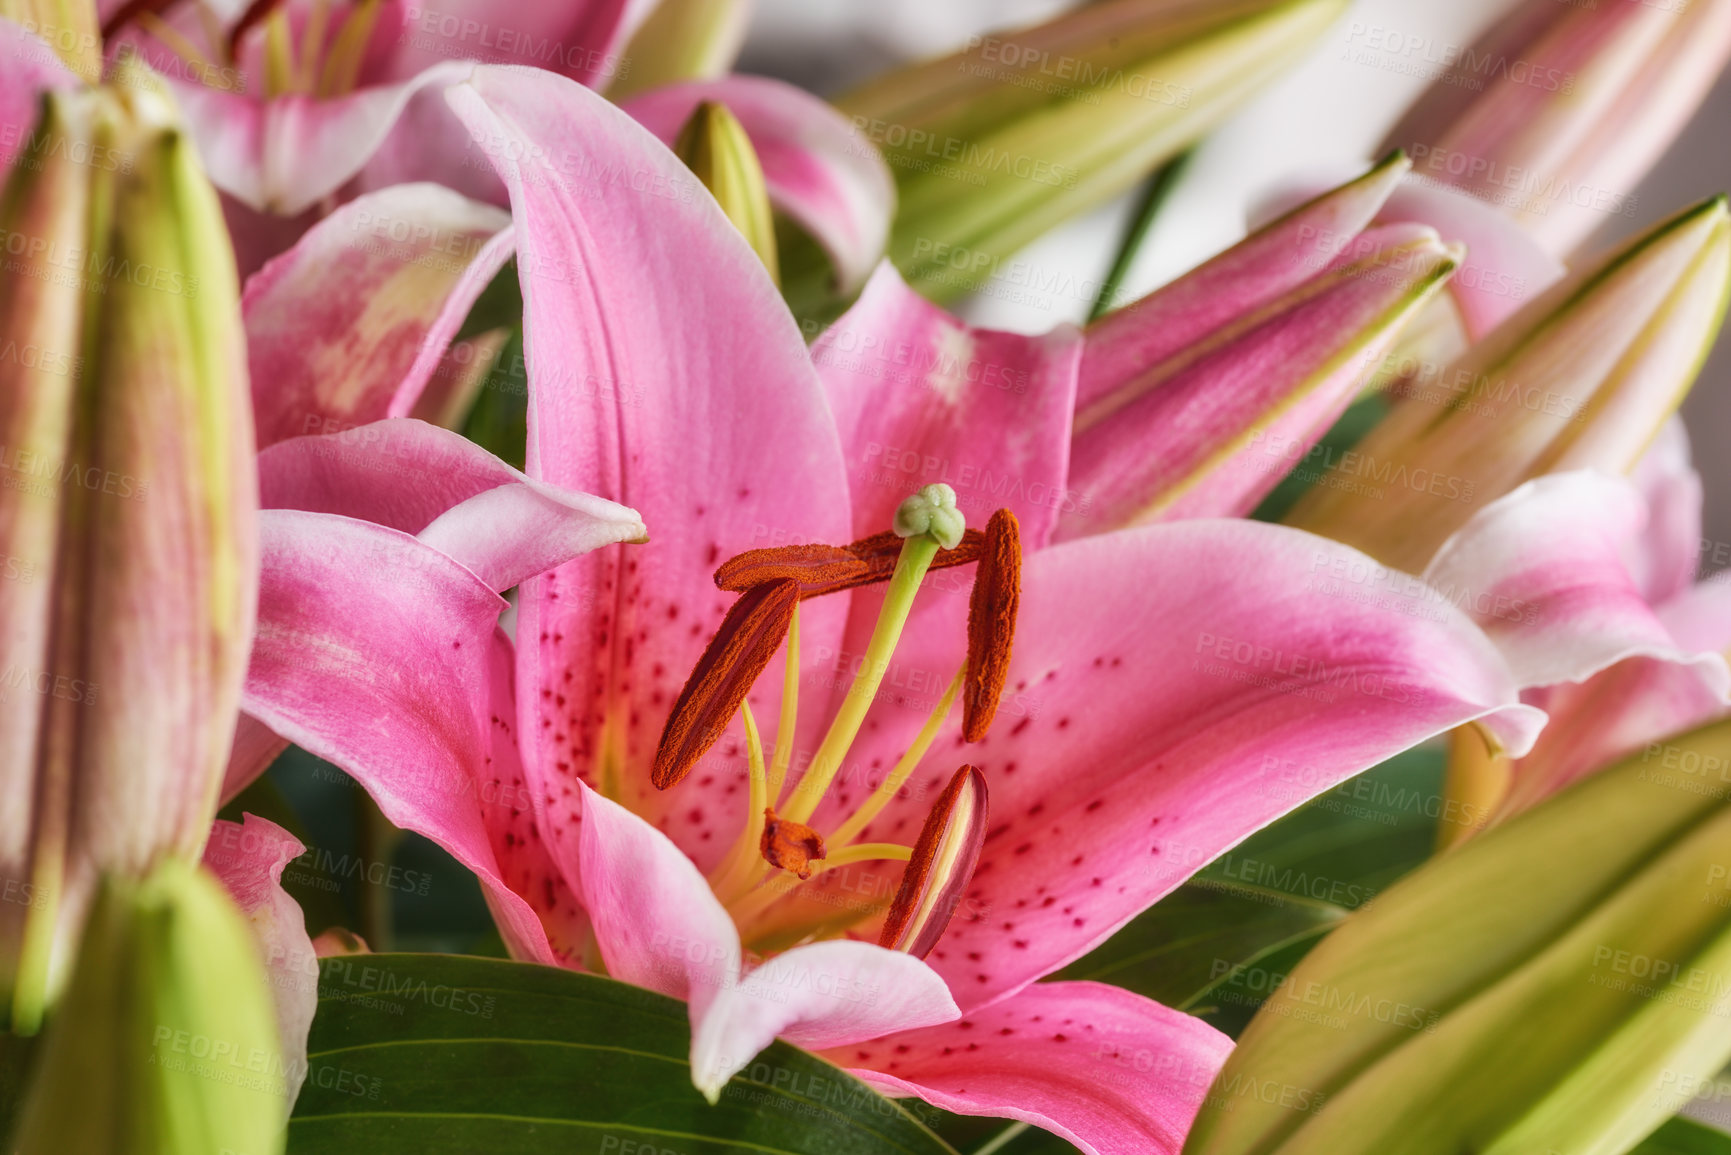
(820, 169)
(920, 397)
(665, 373)
(373, 652)
(1211, 429)
(827, 994)
(658, 925)
(255, 748)
(287, 154)
(1106, 1069)
(1669, 552)
(348, 326)
(249, 857)
(454, 495)
(1542, 571)
(1272, 261)
(1144, 736)
(579, 39)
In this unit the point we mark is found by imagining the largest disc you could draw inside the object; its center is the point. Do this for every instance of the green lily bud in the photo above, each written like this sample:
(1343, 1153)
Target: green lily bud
(681, 40)
(69, 27)
(1583, 376)
(127, 509)
(166, 1042)
(714, 146)
(994, 145)
(1545, 987)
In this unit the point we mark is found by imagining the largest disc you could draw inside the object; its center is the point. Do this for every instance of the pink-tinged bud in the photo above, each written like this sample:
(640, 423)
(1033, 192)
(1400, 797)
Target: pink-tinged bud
(681, 40)
(127, 508)
(1582, 377)
(1558, 110)
(1196, 400)
(1020, 131)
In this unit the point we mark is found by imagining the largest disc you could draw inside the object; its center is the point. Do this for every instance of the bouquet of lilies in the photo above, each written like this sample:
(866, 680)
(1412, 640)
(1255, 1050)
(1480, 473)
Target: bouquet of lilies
(537, 616)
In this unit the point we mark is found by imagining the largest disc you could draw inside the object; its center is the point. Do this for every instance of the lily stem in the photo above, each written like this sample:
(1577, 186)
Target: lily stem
(1159, 187)
(1002, 1139)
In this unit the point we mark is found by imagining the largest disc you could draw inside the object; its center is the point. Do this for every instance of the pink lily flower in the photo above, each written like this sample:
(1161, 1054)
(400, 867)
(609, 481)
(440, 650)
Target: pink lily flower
(304, 102)
(1160, 677)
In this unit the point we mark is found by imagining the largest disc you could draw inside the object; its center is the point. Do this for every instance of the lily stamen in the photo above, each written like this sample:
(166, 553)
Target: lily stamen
(992, 622)
(942, 864)
(926, 522)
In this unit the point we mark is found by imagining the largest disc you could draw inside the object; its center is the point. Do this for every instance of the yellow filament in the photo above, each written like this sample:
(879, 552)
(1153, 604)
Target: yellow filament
(879, 798)
(343, 67)
(279, 55)
(737, 866)
(775, 889)
(784, 734)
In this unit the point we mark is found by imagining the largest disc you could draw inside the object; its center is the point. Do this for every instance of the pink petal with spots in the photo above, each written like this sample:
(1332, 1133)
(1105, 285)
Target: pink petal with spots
(287, 154)
(249, 858)
(348, 325)
(1169, 684)
(31, 69)
(373, 653)
(1108, 1070)
(920, 397)
(1208, 431)
(509, 814)
(664, 373)
(1272, 261)
(1543, 571)
(451, 493)
(820, 170)
(827, 994)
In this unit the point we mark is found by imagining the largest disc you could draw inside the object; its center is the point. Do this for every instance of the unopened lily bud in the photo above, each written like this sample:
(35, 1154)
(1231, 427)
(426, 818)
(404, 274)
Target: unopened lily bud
(1018, 132)
(1556, 112)
(166, 1042)
(1582, 377)
(714, 146)
(1590, 929)
(127, 512)
(69, 27)
(681, 40)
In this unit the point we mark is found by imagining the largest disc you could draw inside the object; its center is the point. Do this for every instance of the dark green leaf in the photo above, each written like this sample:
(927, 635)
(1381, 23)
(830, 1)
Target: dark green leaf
(435, 1054)
(1683, 1136)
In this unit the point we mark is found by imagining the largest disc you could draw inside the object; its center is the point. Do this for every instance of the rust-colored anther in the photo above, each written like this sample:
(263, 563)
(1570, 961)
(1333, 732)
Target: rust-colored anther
(814, 567)
(992, 623)
(942, 865)
(789, 845)
(829, 569)
(749, 636)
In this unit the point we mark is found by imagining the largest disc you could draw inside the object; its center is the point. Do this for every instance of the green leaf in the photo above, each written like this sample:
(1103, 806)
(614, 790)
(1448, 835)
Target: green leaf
(1685, 1137)
(436, 1054)
(1188, 947)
